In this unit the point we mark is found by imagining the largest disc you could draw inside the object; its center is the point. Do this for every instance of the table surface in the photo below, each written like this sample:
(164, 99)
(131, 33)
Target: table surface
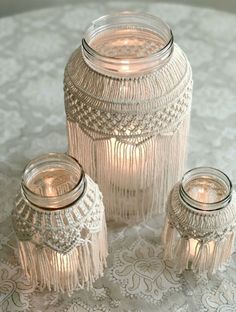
(34, 48)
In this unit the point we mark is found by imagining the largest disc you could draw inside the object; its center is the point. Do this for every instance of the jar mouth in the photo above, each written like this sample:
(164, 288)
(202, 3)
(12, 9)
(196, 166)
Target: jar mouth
(206, 189)
(53, 181)
(127, 44)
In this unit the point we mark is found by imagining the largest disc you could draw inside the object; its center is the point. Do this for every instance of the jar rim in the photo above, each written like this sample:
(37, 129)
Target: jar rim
(110, 64)
(200, 205)
(58, 201)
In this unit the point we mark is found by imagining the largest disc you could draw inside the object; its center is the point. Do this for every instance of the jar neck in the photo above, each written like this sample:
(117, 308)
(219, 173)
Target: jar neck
(205, 189)
(53, 181)
(127, 44)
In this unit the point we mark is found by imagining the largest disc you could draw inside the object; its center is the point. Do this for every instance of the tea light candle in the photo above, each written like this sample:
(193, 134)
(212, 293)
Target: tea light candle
(201, 219)
(60, 224)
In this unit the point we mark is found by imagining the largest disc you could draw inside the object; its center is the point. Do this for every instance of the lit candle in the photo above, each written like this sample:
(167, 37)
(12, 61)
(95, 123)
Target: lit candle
(194, 248)
(59, 244)
(201, 220)
(49, 189)
(120, 104)
(126, 162)
(124, 67)
(52, 182)
(127, 45)
(206, 190)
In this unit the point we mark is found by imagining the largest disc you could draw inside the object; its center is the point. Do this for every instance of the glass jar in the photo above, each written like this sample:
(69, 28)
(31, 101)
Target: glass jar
(128, 92)
(60, 224)
(201, 218)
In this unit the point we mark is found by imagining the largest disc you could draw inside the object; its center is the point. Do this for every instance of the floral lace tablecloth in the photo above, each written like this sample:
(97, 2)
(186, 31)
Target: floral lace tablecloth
(34, 48)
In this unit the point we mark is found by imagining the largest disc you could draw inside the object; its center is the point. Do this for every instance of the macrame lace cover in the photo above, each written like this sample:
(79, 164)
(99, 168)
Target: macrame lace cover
(214, 232)
(66, 248)
(125, 132)
(127, 108)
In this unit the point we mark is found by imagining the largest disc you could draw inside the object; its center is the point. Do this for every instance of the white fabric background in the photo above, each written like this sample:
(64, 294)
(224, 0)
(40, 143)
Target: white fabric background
(34, 48)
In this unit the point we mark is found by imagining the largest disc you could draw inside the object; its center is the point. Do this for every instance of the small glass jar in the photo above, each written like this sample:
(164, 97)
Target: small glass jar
(128, 92)
(201, 219)
(60, 224)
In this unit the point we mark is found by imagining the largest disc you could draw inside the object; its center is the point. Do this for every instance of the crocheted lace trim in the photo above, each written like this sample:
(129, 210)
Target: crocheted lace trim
(152, 104)
(205, 226)
(63, 229)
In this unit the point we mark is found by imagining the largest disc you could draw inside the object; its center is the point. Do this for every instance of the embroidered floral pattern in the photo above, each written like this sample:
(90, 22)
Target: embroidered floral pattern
(141, 271)
(222, 300)
(14, 290)
(82, 307)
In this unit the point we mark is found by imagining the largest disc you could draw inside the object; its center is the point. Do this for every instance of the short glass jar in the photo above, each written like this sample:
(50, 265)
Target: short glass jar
(200, 223)
(60, 224)
(128, 92)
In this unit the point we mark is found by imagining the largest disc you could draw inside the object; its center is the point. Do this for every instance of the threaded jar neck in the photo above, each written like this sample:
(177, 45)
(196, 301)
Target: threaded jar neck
(205, 189)
(53, 181)
(127, 44)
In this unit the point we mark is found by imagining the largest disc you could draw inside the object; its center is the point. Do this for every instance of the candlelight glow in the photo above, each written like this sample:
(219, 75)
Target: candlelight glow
(127, 105)
(49, 190)
(194, 247)
(124, 68)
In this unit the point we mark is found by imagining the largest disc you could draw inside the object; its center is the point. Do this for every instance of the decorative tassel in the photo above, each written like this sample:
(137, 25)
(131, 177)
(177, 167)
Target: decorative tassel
(201, 259)
(165, 230)
(182, 253)
(168, 239)
(222, 251)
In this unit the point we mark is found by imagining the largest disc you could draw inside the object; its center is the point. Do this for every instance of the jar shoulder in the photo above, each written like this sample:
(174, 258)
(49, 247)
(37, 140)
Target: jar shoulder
(172, 77)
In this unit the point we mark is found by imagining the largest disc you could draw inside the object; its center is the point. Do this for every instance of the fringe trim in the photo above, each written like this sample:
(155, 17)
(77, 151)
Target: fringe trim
(200, 257)
(222, 251)
(135, 179)
(49, 269)
(182, 258)
(168, 239)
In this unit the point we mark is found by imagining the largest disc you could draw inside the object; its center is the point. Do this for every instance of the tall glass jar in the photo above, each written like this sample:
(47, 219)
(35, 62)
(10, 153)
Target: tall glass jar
(128, 92)
(60, 224)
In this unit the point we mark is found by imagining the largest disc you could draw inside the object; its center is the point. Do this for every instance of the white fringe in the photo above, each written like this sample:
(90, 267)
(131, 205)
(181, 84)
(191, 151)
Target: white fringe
(195, 240)
(168, 239)
(182, 254)
(222, 252)
(204, 257)
(46, 268)
(135, 178)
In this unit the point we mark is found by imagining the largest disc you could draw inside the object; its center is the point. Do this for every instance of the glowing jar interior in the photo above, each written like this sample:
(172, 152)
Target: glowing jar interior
(119, 92)
(53, 181)
(204, 191)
